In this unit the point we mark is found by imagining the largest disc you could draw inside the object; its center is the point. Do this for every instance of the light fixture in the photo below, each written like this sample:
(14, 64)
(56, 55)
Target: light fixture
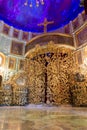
(85, 62)
(30, 3)
(83, 67)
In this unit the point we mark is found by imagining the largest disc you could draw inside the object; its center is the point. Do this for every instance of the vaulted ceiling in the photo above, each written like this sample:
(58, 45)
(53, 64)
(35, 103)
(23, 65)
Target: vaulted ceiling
(15, 13)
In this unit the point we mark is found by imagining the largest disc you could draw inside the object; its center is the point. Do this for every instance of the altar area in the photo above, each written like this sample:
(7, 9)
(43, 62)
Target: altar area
(43, 65)
(51, 74)
(44, 68)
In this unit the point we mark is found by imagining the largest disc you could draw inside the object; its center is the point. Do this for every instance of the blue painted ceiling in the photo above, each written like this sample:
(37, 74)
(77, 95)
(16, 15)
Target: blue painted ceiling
(16, 14)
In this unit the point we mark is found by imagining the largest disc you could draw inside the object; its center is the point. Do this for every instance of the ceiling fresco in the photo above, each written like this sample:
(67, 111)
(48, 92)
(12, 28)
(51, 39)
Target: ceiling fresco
(16, 14)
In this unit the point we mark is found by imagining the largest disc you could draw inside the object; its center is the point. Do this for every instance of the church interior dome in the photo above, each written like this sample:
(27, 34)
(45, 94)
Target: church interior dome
(24, 16)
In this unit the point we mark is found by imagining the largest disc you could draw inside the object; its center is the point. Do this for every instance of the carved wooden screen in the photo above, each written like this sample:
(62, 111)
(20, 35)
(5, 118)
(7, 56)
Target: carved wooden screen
(49, 77)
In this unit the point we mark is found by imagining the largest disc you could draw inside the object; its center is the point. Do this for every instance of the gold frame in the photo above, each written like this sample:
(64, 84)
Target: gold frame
(16, 48)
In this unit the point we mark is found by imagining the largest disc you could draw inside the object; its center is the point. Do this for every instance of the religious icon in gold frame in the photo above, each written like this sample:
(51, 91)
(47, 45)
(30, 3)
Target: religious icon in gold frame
(17, 48)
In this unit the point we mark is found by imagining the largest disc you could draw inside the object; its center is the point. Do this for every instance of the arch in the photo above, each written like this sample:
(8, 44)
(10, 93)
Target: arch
(44, 39)
(50, 47)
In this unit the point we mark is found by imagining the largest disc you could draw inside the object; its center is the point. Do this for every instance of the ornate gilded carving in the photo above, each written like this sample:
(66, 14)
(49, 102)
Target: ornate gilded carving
(49, 77)
(49, 68)
(58, 76)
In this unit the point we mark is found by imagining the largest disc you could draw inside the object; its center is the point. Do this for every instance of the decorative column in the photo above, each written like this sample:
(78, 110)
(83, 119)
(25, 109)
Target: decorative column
(74, 39)
(30, 36)
(1, 26)
(71, 27)
(80, 19)
(20, 35)
(11, 31)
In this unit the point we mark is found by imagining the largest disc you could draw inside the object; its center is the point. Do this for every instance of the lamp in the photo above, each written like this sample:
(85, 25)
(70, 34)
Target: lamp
(85, 62)
(83, 67)
(30, 3)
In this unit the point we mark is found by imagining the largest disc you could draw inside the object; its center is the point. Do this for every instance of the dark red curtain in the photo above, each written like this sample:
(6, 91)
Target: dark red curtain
(85, 6)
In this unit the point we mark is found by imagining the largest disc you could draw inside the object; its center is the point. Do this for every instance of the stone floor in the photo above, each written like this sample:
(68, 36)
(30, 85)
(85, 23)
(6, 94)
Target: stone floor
(42, 117)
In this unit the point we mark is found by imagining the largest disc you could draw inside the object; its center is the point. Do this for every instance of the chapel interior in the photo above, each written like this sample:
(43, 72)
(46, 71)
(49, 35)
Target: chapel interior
(43, 59)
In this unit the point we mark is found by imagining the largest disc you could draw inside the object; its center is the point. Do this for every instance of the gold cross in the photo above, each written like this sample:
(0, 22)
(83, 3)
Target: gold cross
(45, 24)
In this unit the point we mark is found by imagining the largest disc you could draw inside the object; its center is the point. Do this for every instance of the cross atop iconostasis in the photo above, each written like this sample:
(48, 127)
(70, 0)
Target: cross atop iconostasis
(45, 24)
